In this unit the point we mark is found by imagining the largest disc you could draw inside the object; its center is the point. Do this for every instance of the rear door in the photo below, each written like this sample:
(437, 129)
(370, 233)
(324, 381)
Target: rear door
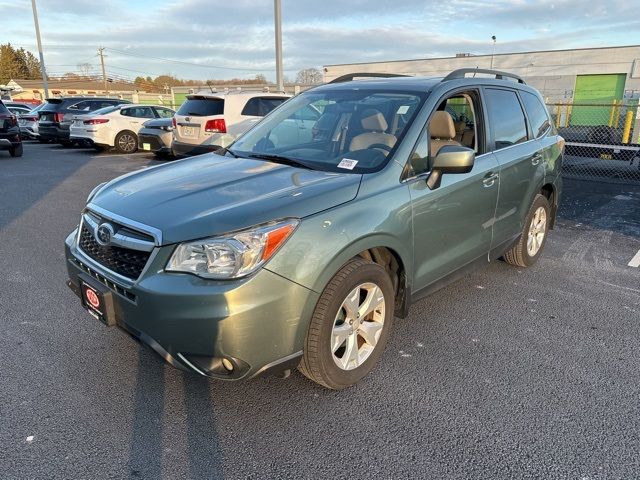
(520, 159)
(193, 115)
(136, 116)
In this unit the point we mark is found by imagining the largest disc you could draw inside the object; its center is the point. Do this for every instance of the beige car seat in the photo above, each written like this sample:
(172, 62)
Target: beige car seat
(442, 131)
(374, 122)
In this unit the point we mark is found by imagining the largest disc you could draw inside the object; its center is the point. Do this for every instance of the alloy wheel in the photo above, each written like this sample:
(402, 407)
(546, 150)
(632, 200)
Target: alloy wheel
(126, 143)
(537, 231)
(358, 326)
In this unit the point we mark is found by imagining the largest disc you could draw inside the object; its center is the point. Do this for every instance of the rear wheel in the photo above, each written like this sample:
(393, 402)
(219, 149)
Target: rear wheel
(350, 325)
(126, 142)
(16, 151)
(534, 235)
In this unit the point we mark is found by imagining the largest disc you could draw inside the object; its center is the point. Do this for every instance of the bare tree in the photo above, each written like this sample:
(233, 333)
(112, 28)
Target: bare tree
(86, 69)
(309, 76)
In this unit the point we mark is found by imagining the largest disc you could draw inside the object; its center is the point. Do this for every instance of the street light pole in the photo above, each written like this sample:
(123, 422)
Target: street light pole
(43, 70)
(277, 7)
(493, 51)
(104, 73)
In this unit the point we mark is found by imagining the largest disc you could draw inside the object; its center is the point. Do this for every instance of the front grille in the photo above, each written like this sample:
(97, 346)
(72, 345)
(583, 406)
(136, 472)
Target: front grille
(123, 261)
(153, 141)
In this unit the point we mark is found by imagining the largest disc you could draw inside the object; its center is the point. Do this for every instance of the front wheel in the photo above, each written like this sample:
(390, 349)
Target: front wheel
(350, 325)
(534, 235)
(126, 142)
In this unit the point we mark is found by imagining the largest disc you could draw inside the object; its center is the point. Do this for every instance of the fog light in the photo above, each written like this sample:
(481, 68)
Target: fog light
(226, 363)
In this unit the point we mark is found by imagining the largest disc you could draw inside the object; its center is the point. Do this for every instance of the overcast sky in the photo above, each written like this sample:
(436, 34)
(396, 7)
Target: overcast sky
(238, 34)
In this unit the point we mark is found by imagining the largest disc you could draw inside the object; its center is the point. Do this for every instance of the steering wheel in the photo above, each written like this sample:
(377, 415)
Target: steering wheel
(381, 146)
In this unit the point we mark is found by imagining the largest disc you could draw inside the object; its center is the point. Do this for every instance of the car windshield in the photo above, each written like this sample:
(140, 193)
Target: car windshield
(352, 130)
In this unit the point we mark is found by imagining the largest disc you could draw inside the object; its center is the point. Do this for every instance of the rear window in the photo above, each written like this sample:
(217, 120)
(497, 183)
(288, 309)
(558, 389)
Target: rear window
(202, 107)
(105, 110)
(506, 118)
(52, 105)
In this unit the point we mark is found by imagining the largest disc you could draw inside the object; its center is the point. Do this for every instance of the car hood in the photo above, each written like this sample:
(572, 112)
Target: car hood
(211, 194)
(158, 122)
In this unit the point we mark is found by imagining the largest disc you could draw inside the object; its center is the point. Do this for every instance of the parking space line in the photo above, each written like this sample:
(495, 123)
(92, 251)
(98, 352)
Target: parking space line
(635, 261)
(123, 155)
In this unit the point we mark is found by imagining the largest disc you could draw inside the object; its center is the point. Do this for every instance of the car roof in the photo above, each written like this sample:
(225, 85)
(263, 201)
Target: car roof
(416, 84)
(234, 94)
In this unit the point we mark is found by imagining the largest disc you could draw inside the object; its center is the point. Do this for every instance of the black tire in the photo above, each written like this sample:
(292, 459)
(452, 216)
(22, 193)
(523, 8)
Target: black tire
(519, 254)
(317, 362)
(66, 143)
(43, 140)
(126, 142)
(16, 151)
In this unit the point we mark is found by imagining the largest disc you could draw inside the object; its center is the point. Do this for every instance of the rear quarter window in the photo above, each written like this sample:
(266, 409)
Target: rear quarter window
(202, 107)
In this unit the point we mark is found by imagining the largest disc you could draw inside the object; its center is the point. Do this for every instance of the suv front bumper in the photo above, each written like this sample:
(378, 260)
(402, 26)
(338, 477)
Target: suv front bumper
(258, 323)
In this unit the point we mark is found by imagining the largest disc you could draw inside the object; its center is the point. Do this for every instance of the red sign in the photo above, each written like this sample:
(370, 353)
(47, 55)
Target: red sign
(92, 298)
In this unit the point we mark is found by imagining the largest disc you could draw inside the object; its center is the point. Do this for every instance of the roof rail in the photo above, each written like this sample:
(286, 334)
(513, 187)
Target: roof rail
(352, 76)
(461, 72)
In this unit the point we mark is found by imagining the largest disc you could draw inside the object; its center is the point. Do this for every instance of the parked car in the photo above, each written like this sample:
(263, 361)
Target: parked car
(28, 123)
(115, 126)
(18, 109)
(156, 136)
(208, 121)
(9, 132)
(57, 114)
(19, 105)
(272, 254)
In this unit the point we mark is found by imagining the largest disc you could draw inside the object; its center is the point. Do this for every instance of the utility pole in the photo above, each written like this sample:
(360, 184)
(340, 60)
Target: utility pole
(104, 73)
(43, 70)
(277, 7)
(493, 51)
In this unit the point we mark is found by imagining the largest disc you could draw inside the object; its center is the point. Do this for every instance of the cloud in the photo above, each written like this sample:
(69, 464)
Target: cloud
(239, 34)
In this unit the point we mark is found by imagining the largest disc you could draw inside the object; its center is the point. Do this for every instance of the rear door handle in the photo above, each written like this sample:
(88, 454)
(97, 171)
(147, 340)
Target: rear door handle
(489, 179)
(535, 160)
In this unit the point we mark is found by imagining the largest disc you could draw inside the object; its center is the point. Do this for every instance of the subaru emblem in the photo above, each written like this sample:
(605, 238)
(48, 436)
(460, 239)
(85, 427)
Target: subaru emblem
(104, 232)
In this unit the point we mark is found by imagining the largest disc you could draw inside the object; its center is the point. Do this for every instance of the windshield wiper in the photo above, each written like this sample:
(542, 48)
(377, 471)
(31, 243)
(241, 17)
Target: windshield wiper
(225, 150)
(292, 162)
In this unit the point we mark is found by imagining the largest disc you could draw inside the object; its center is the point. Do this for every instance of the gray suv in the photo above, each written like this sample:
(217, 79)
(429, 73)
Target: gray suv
(287, 250)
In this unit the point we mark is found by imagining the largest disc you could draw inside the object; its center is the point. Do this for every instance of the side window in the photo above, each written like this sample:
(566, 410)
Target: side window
(455, 122)
(505, 117)
(537, 113)
(269, 103)
(81, 106)
(252, 107)
(138, 112)
(164, 112)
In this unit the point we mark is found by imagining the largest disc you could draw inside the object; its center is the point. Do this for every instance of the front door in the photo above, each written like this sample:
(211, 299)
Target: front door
(452, 224)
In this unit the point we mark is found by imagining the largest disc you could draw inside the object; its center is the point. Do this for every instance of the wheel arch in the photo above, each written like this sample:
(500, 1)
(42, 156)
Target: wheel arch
(386, 251)
(548, 190)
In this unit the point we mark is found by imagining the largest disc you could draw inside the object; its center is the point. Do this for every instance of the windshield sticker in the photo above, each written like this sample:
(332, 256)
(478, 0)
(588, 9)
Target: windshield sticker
(403, 109)
(347, 163)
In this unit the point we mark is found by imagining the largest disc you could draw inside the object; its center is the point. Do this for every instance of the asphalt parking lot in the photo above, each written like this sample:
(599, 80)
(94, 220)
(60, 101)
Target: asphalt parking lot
(505, 374)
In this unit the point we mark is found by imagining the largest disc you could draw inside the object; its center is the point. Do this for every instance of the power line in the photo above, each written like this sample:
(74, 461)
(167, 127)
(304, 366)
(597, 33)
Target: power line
(185, 63)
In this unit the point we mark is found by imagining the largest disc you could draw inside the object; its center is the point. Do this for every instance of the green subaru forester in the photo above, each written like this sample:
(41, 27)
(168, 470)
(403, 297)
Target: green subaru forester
(299, 244)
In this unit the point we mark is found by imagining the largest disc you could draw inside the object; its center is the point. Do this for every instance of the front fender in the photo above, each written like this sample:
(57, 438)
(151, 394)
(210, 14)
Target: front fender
(324, 242)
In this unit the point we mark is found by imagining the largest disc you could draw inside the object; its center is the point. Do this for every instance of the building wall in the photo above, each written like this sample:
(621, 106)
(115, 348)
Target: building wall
(552, 72)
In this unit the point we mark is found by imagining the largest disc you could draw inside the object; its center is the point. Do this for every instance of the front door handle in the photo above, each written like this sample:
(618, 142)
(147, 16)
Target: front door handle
(535, 160)
(489, 179)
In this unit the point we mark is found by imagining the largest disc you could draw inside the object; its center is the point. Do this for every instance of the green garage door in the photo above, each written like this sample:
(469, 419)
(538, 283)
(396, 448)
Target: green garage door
(598, 90)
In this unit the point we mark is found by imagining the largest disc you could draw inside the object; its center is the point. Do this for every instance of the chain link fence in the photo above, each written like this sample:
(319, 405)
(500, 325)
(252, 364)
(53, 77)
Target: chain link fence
(602, 139)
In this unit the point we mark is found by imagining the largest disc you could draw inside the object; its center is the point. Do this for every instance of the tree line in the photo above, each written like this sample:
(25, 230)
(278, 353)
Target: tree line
(17, 63)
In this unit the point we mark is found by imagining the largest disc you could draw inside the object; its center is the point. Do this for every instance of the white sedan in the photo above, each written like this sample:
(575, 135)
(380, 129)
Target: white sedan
(115, 126)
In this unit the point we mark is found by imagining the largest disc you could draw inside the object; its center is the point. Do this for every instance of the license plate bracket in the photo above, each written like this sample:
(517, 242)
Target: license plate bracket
(97, 300)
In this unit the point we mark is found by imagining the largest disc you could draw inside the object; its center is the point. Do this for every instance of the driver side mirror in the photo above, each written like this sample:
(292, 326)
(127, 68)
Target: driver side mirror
(450, 159)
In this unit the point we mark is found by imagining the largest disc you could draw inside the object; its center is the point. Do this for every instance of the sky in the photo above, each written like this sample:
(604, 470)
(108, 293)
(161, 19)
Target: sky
(235, 39)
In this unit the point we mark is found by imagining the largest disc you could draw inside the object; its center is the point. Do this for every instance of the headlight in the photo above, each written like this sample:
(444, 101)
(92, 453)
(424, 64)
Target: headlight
(234, 255)
(167, 128)
(95, 190)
